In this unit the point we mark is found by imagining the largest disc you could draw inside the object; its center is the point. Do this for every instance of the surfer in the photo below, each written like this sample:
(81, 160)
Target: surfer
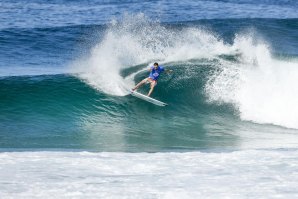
(155, 71)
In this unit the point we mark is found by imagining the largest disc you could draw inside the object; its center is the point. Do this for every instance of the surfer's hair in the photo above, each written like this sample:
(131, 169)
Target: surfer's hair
(155, 64)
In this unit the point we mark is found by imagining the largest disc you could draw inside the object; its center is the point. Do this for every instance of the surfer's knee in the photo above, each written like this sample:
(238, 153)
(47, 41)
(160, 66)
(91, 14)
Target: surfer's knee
(144, 80)
(152, 85)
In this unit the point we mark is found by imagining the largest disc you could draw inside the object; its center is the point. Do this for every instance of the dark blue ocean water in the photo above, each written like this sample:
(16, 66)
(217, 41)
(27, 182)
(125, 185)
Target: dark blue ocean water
(64, 67)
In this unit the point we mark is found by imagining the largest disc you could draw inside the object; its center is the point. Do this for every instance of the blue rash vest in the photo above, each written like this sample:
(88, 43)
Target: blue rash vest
(154, 74)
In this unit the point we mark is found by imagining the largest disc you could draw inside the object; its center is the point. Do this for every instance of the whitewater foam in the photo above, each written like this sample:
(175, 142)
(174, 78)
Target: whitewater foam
(239, 174)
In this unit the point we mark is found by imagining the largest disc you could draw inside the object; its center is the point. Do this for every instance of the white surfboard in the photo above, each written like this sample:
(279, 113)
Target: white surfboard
(148, 99)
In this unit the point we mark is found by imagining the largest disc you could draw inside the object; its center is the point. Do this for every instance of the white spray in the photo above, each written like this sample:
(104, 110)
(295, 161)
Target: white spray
(264, 89)
(136, 40)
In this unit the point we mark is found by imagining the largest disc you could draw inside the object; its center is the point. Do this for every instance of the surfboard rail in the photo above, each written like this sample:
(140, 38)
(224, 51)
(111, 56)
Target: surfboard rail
(148, 99)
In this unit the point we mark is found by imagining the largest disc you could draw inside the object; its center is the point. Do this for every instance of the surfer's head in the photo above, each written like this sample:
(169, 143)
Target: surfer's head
(155, 65)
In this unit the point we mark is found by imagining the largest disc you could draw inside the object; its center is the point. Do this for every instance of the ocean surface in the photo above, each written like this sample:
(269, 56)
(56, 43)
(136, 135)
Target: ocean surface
(69, 128)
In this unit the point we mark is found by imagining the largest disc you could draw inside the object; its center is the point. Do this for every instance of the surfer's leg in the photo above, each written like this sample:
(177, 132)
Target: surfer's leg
(152, 85)
(140, 84)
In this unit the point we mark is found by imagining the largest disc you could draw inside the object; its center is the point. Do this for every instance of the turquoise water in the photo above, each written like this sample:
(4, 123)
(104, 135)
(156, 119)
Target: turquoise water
(63, 111)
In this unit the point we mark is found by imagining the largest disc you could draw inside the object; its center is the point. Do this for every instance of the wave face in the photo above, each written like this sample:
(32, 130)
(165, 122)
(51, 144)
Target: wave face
(233, 84)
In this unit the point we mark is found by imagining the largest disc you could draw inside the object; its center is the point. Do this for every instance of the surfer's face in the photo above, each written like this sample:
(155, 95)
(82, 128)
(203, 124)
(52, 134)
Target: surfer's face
(155, 66)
